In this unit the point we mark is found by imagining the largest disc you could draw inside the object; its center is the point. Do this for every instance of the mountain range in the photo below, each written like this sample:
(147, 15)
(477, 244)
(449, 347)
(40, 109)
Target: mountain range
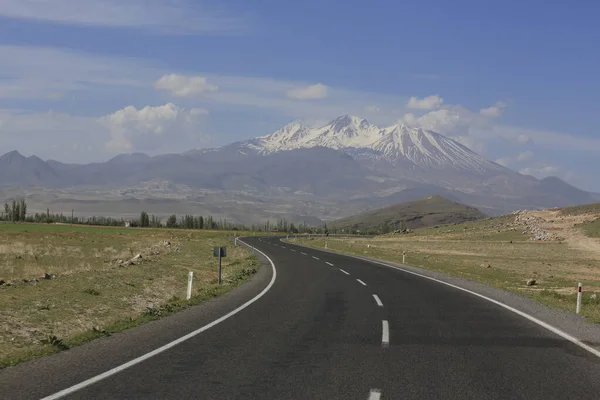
(342, 168)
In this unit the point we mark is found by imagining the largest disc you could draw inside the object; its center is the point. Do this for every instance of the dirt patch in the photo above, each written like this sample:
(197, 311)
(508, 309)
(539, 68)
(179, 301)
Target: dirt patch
(563, 227)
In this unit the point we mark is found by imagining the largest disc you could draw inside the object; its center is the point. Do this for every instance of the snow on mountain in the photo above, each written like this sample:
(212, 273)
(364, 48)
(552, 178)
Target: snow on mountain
(396, 144)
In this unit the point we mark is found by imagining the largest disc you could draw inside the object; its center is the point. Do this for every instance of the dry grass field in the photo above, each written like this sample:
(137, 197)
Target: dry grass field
(557, 248)
(61, 286)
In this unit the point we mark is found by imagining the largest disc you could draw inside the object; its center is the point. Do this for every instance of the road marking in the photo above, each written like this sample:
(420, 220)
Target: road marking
(378, 300)
(375, 394)
(531, 318)
(347, 273)
(385, 334)
(293, 250)
(328, 263)
(316, 258)
(283, 247)
(174, 343)
(361, 282)
(304, 254)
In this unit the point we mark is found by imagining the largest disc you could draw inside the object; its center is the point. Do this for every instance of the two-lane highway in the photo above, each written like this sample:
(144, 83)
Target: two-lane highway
(335, 327)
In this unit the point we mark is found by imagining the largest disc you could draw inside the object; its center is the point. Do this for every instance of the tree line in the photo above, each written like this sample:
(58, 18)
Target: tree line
(16, 211)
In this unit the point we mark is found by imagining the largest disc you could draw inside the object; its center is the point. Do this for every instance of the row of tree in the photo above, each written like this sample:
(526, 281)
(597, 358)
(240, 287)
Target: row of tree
(17, 212)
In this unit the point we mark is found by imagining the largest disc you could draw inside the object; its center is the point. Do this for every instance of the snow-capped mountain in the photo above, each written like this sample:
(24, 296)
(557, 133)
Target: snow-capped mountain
(399, 145)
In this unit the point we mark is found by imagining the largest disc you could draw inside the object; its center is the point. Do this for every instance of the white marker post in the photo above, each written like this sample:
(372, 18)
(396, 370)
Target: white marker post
(403, 257)
(325, 244)
(189, 288)
(578, 298)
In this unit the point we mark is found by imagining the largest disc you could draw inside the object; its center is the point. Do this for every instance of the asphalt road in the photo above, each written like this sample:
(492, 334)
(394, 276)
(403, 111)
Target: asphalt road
(334, 327)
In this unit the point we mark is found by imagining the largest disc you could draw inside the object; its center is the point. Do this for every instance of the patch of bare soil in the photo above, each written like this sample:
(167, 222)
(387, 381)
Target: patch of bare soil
(551, 225)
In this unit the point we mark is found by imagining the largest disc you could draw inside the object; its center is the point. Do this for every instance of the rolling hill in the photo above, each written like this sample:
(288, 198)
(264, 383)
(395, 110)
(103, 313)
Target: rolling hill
(425, 212)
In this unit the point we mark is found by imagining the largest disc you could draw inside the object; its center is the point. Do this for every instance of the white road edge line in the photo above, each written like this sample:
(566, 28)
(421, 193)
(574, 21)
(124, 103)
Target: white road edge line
(328, 263)
(361, 282)
(161, 349)
(375, 394)
(531, 318)
(316, 258)
(378, 300)
(347, 273)
(385, 334)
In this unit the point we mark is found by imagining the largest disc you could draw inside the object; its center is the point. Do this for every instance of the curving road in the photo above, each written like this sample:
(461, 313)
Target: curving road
(329, 327)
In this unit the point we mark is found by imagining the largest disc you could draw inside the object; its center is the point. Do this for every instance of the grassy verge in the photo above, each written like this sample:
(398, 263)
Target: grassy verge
(96, 287)
(592, 229)
(465, 250)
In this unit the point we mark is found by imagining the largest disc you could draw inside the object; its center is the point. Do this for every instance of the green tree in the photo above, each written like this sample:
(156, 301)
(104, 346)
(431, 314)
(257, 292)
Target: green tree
(172, 221)
(23, 210)
(7, 213)
(144, 219)
(17, 211)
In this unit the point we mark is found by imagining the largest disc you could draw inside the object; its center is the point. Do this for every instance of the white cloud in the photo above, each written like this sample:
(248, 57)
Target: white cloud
(151, 127)
(525, 156)
(428, 103)
(317, 91)
(494, 111)
(172, 17)
(450, 120)
(372, 109)
(49, 73)
(180, 85)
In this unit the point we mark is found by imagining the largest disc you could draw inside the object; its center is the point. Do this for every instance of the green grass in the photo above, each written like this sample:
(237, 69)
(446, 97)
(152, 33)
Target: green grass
(592, 229)
(93, 294)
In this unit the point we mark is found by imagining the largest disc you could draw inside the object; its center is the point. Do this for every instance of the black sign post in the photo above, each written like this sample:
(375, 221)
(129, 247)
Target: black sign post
(220, 252)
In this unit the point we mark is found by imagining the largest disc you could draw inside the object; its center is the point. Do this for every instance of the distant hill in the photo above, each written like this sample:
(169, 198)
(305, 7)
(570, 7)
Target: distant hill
(428, 211)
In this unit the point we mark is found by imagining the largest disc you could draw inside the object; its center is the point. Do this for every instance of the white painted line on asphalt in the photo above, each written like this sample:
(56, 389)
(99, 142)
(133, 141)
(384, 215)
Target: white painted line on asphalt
(378, 300)
(283, 247)
(304, 254)
(328, 263)
(361, 282)
(174, 343)
(347, 273)
(385, 334)
(531, 318)
(293, 250)
(316, 258)
(375, 394)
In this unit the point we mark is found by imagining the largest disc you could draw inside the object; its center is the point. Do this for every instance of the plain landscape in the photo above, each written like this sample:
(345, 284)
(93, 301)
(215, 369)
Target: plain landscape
(541, 254)
(447, 207)
(63, 285)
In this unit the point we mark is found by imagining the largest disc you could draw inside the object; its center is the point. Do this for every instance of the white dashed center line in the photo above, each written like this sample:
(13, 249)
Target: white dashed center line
(316, 258)
(361, 282)
(385, 334)
(328, 263)
(347, 273)
(375, 394)
(378, 300)
(304, 254)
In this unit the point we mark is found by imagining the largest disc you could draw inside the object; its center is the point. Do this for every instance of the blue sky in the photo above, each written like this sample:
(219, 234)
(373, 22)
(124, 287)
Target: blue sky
(515, 81)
